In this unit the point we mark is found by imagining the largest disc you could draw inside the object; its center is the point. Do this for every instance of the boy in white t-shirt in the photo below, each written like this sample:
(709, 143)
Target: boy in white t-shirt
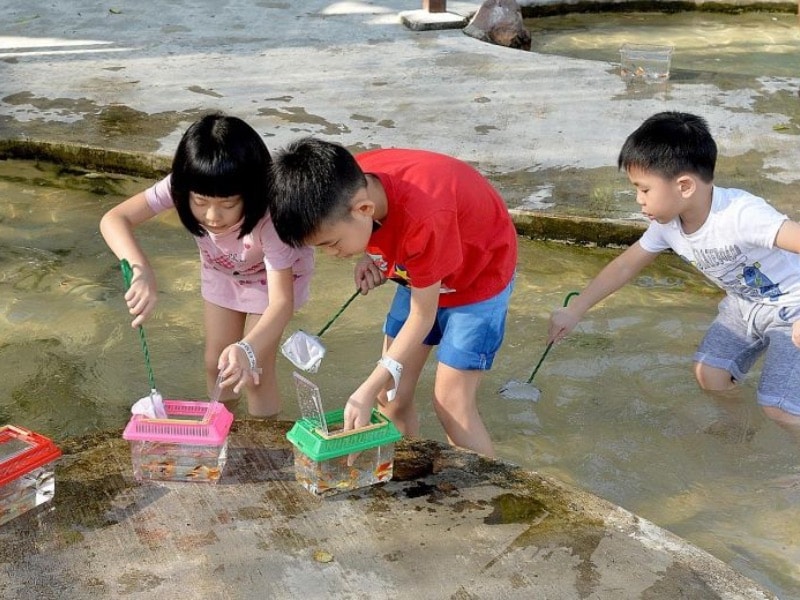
(737, 240)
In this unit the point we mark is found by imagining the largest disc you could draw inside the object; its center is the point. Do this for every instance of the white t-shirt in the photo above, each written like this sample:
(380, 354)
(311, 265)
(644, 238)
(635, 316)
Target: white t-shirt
(735, 248)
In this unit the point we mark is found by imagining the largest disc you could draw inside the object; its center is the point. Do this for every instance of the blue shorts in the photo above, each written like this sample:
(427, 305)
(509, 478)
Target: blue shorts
(468, 336)
(741, 333)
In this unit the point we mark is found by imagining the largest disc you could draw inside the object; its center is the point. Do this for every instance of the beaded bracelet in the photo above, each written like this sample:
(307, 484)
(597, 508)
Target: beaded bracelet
(251, 355)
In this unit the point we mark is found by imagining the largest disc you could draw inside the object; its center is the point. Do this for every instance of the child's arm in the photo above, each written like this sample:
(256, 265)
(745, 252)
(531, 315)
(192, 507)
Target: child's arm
(788, 239)
(265, 335)
(613, 276)
(422, 314)
(117, 227)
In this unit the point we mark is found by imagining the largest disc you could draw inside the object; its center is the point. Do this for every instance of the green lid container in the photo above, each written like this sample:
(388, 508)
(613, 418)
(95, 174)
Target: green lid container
(306, 436)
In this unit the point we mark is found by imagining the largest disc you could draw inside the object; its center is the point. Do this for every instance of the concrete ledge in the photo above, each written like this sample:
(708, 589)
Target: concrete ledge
(75, 155)
(422, 20)
(602, 232)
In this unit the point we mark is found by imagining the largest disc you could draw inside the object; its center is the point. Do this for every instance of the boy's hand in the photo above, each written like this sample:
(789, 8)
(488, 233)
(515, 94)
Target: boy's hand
(357, 413)
(562, 321)
(142, 295)
(367, 275)
(796, 333)
(358, 410)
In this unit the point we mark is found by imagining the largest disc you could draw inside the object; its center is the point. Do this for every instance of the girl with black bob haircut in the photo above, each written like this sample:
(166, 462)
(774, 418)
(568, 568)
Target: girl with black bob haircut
(251, 282)
(219, 156)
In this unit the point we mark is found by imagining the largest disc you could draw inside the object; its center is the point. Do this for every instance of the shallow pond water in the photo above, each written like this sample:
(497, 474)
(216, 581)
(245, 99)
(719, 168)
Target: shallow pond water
(749, 44)
(619, 415)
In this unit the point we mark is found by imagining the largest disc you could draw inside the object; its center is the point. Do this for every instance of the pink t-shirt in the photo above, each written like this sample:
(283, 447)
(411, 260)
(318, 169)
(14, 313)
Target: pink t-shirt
(233, 270)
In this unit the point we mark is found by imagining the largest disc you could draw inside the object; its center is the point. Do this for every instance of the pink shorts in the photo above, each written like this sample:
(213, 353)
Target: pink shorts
(246, 295)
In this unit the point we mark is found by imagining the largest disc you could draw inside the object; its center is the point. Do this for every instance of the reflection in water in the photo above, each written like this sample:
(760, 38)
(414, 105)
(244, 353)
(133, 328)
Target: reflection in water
(620, 413)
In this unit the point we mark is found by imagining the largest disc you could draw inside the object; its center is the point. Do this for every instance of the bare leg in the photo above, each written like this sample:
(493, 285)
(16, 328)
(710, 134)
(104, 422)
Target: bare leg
(787, 421)
(713, 378)
(455, 402)
(264, 399)
(719, 385)
(223, 328)
(402, 410)
(737, 421)
(719, 380)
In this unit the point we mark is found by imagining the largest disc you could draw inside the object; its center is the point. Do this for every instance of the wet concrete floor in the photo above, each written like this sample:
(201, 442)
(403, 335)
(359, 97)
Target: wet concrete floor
(450, 525)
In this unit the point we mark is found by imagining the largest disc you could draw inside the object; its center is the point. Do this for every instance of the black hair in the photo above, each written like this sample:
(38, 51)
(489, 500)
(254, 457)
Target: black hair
(670, 144)
(221, 156)
(313, 181)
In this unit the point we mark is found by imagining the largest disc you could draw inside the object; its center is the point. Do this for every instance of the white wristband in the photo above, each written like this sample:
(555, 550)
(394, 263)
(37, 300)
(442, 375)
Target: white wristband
(251, 355)
(395, 370)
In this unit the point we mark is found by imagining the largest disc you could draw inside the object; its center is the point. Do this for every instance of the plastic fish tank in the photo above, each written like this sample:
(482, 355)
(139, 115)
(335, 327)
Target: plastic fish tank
(339, 461)
(27, 471)
(190, 445)
(644, 62)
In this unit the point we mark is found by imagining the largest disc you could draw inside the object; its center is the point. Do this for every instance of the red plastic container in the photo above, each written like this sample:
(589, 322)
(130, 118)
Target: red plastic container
(27, 476)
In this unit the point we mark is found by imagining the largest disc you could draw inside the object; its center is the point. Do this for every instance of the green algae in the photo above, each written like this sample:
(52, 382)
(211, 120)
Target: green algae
(515, 508)
(94, 124)
(294, 115)
(781, 102)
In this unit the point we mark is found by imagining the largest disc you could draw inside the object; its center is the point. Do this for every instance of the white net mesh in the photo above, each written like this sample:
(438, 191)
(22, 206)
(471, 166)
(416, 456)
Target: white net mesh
(304, 351)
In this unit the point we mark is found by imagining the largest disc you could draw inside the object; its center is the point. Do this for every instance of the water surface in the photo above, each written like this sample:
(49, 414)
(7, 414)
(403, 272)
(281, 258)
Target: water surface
(748, 44)
(620, 413)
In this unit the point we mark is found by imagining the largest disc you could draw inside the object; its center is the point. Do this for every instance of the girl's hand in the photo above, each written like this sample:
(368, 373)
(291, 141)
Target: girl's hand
(562, 321)
(142, 295)
(234, 368)
(367, 275)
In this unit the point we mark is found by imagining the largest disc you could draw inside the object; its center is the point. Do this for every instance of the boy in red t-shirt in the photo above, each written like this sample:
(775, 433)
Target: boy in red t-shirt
(438, 228)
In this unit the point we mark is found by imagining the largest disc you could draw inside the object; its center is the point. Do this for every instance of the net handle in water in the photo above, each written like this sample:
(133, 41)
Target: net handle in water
(550, 345)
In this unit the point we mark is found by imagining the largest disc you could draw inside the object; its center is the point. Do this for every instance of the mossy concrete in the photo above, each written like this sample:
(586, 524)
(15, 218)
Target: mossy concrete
(75, 155)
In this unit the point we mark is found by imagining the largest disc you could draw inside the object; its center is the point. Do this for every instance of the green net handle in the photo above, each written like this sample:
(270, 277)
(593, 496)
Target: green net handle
(127, 276)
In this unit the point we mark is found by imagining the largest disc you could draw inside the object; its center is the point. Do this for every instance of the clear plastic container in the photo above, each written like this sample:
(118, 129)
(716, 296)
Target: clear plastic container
(190, 445)
(164, 461)
(321, 460)
(27, 471)
(645, 62)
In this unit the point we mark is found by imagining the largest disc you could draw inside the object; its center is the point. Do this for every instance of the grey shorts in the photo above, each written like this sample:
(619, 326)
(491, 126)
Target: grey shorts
(741, 333)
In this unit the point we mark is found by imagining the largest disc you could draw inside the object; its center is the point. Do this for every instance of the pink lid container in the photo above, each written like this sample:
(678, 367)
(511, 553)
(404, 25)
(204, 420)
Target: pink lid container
(187, 423)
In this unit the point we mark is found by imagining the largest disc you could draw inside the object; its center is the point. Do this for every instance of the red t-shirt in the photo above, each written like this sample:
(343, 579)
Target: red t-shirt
(445, 222)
